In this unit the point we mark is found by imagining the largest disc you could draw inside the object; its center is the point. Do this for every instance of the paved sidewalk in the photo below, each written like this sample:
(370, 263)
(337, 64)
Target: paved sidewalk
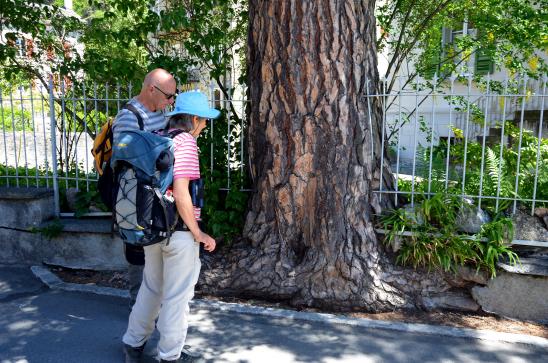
(38, 324)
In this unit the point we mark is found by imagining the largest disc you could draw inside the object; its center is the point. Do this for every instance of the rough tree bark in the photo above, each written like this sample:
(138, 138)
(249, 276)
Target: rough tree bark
(310, 225)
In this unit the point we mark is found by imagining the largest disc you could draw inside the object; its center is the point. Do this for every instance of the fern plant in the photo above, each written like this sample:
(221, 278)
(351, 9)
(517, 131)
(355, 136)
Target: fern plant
(435, 242)
(497, 181)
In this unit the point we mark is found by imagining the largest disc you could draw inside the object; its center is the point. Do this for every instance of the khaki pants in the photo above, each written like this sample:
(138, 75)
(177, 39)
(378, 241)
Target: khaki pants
(168, 285)
(135, 277)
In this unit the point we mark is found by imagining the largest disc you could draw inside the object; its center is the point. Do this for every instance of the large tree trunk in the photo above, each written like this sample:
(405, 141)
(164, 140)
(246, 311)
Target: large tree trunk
(315, 169)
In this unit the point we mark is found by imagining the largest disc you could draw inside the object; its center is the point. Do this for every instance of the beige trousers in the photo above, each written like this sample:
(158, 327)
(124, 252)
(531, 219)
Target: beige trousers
(168, 285)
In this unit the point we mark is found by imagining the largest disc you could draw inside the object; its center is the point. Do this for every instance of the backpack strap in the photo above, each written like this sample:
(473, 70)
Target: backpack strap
(173, 133)
(101, 147)
(166, 133)
(164, 208)
(129, 106)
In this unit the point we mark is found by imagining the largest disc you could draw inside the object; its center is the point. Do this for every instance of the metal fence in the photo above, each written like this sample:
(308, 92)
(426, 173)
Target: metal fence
(48, 131)
(485, 140)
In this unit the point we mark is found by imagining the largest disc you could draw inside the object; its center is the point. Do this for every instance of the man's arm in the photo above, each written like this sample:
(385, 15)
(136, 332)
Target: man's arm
(185, 208)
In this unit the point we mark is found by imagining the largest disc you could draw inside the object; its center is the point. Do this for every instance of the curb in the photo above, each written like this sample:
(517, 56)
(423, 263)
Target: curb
(53, 282)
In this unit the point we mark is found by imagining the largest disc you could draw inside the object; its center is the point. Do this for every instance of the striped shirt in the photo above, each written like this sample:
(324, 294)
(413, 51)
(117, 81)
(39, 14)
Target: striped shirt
(126, 120)
(186, 160)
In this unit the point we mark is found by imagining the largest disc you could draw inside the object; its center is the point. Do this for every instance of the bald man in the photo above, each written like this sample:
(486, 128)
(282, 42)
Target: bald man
(158, 91)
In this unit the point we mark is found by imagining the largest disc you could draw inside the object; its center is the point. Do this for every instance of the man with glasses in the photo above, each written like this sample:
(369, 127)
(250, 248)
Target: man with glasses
(145, 112)
(158, 91)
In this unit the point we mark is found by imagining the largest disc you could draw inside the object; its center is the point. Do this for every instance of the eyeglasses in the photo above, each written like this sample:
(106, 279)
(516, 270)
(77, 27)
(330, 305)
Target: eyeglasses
(167, 95)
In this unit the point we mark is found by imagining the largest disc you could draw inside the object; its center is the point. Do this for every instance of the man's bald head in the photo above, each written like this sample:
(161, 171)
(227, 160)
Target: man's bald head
(157, 76)
(159, 88)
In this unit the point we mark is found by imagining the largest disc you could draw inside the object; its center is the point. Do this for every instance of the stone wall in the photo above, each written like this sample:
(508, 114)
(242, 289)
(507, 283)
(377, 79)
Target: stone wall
(86, 243)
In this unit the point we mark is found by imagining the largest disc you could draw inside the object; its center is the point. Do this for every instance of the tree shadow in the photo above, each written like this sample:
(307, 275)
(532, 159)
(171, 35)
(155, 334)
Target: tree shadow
(56, 326)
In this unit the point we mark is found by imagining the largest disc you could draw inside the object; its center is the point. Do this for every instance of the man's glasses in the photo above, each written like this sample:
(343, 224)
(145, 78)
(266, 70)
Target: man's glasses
(167, 95)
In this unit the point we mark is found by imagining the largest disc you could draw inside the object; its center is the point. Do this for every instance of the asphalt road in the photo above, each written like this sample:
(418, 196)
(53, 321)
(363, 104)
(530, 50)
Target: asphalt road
(42, 325)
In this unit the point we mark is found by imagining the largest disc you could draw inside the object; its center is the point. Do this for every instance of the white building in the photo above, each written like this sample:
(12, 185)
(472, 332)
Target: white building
(441, 112)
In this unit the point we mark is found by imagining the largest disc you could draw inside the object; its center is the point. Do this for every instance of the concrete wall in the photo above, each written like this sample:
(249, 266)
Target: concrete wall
(85, 244)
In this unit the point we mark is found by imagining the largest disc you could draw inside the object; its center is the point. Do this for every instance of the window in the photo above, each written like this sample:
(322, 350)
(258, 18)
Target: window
(480, 61)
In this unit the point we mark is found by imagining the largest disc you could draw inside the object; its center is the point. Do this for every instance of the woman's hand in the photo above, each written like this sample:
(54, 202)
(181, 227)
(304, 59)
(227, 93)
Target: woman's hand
(199, 125)
(207, 240)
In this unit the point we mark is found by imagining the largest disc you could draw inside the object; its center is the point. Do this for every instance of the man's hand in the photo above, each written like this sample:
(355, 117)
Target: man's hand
(209, 243)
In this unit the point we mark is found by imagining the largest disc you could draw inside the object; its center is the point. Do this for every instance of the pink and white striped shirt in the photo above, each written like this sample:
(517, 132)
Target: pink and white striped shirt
(186, 163)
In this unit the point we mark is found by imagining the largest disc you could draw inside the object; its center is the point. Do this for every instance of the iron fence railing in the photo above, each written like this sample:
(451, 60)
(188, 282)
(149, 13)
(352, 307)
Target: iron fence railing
(486, 141)
(47, 133)
(483, 140)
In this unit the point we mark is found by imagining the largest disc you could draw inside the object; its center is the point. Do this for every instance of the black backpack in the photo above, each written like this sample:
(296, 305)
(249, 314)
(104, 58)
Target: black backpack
(143, 214)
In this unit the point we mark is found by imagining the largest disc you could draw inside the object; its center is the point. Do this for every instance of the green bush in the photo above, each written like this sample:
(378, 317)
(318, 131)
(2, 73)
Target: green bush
(498, 176)
(435, 242)
(33, 177)
(18, 120)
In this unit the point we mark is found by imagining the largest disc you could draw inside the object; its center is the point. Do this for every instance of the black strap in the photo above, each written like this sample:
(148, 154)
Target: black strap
(161, 200)
(137, 114)
(167, 133)
(174, 133)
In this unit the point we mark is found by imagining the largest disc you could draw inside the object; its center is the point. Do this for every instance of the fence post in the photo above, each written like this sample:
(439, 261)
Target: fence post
(53, 147)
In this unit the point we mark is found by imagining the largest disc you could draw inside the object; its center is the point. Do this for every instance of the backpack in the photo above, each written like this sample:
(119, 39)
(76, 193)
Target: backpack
(143, 171)
(102, 152)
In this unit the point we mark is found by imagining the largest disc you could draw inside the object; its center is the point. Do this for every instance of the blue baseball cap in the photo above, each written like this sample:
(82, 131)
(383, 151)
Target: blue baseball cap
(193, 103)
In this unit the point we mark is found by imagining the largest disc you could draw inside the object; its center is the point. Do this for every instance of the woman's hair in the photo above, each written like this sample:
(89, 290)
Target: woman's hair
(181, 121)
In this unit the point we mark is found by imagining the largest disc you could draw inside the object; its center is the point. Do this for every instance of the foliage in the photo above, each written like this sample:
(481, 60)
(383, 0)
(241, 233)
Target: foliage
(51, 230)
(489, 172)
(497, 232)
(120, 41)
(435, 242)
(224, 210)
(225, 195)
(510, 33)
(16, 120)
(86, 199)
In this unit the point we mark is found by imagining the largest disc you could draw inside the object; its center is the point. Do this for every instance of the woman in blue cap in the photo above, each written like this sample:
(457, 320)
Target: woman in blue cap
(172, 270)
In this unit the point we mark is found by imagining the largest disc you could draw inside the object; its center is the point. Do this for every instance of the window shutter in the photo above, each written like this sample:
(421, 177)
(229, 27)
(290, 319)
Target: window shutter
(484, 63)
(432, 66)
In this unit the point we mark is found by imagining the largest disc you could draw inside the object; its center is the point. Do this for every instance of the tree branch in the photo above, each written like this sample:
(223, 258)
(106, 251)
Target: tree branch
(438, 83)
(400, 57)
(228, 97)
(402, 31)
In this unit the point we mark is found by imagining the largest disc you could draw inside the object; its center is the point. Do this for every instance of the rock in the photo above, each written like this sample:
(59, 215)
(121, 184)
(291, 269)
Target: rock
(93, 208)
(411, 214)
(466, 275)
(396, 243)
(450, 300)
(541, 212)
(473, 275)
(515, 296)
(533, 265)
(72, 197)
(529, 228)
(471, 218)
(25, 207)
